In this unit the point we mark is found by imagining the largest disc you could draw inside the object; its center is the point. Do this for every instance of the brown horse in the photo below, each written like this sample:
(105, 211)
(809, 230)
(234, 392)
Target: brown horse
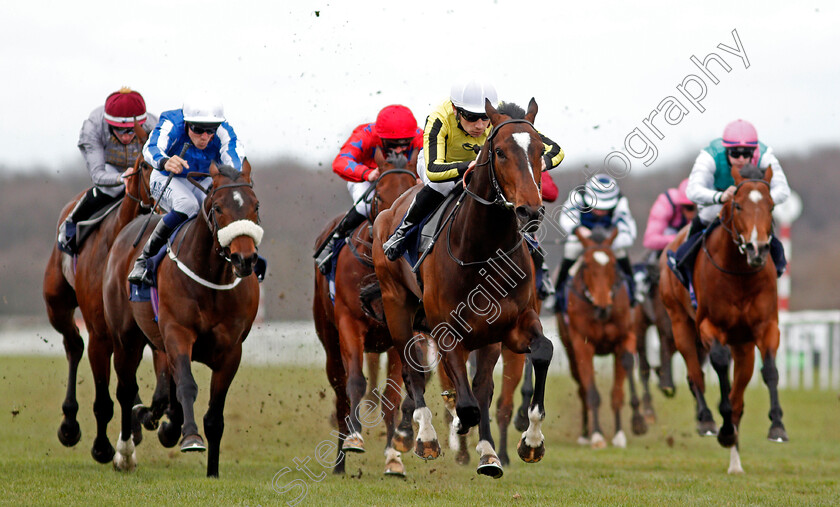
(481, 249)
(71, 283)
(600, 322)
(208, 302)
(347, 331)
(737, 307)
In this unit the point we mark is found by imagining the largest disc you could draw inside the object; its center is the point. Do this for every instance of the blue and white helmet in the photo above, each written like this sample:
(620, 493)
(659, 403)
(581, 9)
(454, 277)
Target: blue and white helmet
(601, 192)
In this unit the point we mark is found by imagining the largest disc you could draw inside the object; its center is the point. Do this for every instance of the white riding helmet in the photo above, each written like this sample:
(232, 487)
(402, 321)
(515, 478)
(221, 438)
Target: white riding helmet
(203, 108)
(469, 95)
(602, 192)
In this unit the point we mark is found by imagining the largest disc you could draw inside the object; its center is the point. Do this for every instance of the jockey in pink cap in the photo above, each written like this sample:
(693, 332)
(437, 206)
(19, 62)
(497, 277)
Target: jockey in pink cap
(710, 184)
(671, 211)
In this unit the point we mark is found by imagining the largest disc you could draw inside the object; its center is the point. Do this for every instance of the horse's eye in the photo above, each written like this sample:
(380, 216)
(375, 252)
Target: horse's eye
(737, 206)
(217, 208)
(500, 153)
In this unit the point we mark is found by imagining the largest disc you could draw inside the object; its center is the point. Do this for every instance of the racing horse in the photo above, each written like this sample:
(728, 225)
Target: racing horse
(475, 289)
(737, 307)
(347, 330)
(600, 322)
(77, 282)
(207, 303)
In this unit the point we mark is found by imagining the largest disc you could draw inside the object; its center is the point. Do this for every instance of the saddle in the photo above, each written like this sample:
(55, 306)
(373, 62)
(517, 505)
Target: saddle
(84, 228)
(421, 239)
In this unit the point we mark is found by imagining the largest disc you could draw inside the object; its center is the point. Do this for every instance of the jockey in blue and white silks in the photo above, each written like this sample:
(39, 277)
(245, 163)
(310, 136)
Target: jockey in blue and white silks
(199, 126)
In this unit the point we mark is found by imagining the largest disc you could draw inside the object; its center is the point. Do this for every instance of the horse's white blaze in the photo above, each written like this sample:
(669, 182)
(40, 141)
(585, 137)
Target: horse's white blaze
(533, 435)
(423, 418)
(755, 196)
(523, 139)
(238, 198)
(601, 258)
(125, 458)
(734, 461)
(240, 228)
(620, 439)
(484, 448)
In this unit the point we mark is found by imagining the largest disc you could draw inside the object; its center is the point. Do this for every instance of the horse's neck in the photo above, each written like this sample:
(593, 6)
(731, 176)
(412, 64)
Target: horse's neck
(484, 229)
(725, 252)
(130, 207)
(198, 249)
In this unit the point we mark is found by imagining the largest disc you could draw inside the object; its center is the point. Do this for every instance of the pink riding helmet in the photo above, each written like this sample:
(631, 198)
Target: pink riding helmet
(682, 199)
(742, 133)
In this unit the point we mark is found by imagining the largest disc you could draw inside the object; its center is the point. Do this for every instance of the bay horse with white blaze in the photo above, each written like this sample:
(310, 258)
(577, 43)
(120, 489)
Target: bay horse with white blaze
(481, 249)
(600, 323)
(77, 282)
(347, 331)
(208, 300)
(737, 307)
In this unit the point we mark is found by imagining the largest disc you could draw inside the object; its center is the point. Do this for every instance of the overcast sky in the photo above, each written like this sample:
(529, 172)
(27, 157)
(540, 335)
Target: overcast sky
(297, 76)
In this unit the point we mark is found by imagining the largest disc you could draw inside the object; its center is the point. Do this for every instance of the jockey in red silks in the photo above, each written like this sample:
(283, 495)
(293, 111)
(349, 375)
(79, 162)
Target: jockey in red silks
(671, 211)
(395, 133)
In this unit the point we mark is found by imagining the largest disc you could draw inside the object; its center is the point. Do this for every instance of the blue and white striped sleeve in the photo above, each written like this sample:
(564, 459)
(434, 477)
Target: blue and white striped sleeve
(231, 151)
(158, 143)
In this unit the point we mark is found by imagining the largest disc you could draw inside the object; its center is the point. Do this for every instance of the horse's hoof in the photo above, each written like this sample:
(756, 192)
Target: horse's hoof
(427, 450)
(706, 428)
(354, 443)
(192, 443)
(462, 457)
(777, 434)
(468, 416)
(530, 454)
(103, 451)
(402, 440)
(668, 391)
(69, 433)
(650, 417)
(125, 460)
(639, 425)
(490, 466)
(395, 468)
(582, 440)
(143, 415)
(597, 441)
(520, 420)
(620, 440)
(168, 435)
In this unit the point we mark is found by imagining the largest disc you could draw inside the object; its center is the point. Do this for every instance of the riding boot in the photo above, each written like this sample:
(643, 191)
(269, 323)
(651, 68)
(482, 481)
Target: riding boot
(627, 270)
(89, 203)
(345, 227)
(139, 274)
(560, 286)
(777, 253)
(543, 278)
(426, 200)
(685, 254)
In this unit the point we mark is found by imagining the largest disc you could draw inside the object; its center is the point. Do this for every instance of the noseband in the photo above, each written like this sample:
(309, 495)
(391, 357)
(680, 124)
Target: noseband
(500, 198)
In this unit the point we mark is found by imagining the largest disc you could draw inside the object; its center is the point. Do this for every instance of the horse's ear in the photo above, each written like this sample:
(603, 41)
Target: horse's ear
(246, 170)
(768, 173)
(612, 236)
(583, 234)
(214, 171)
(736, 175)
(532, 110)
(141, 134)
(495, 117)
(379, 158)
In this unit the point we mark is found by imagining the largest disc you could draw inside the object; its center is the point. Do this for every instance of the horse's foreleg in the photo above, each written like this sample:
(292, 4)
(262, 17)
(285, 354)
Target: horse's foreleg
(170, 431)
(584, 354)
(720, 357)
(179, 351)
(149, 417)
(511, 375)
(520, 421)
(467, 409)
(666, 348)
(744, 359)
(486, 358)
(768, 347)
(639, 426)
(100, 350)
(127, 356)
(531, 447)
(685, 337)
(641, 323)
(390, 404)
(352, 356)
(372, 365)
(214, 418)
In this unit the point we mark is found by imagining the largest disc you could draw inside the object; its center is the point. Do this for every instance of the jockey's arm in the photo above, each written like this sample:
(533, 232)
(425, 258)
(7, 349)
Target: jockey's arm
(569, 217)
(779, 188)
(660, 216)
(155, 149)
(552, 153)
(348, 163)
(435, 137)
(231, 151)
(90, 144)
(626, 225)
(701, 181)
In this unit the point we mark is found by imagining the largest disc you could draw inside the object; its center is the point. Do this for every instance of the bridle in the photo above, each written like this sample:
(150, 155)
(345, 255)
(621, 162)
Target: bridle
(376, 199)
(139, 173)
(734, 234)
(586, 295)
(500, 198)
(210, 216)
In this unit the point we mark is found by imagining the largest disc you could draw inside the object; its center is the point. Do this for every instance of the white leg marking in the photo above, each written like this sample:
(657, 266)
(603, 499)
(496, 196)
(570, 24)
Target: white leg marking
(454, 441)
(484, 448)
(533, 435)
(392, 454)
(582, 440)
(597, 441)
(425, 432)
(734, 461)
(620, 440)
(125, 458)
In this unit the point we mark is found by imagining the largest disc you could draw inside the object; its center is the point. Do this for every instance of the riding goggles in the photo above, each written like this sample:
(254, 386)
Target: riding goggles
(740, 151)
(472, 117)
(122, 131)
(204, 128)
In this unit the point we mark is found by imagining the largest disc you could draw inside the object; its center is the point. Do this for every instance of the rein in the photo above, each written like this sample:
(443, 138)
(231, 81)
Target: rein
(138, 200)
(734, 234)
(586, 295)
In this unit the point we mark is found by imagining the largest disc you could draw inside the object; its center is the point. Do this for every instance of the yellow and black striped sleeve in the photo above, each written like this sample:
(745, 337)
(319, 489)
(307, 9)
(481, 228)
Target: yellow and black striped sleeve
(435, 139)
(553, 153)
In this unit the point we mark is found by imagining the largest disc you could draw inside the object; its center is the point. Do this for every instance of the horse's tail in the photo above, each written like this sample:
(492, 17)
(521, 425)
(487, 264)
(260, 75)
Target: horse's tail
(370, 296)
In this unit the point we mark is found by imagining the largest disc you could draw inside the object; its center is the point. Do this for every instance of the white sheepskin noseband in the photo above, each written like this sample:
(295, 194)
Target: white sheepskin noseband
(239, 228)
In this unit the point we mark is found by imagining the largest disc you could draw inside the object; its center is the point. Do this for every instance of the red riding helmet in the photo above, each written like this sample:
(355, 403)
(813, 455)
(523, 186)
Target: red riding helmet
(740, 133)
(123, 106)
(395, 122)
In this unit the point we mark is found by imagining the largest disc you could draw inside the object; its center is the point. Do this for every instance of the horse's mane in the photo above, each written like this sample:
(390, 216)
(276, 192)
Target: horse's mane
(229, 172)
(512, 110)
(600, 234)
(752, 172)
